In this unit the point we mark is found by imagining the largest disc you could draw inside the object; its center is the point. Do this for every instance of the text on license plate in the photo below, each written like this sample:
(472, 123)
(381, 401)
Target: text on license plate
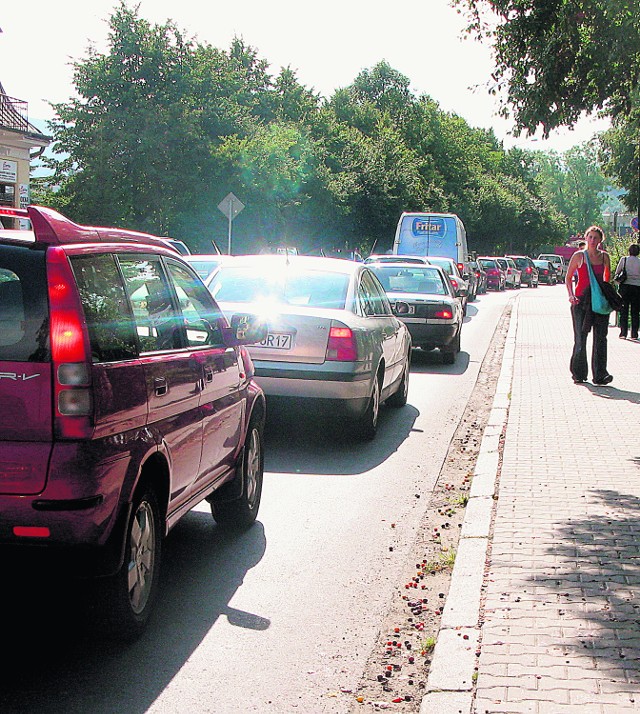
(277, 341)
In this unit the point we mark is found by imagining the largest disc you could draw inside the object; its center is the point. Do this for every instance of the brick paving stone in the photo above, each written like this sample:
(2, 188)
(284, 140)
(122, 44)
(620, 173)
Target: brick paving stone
(562, 587)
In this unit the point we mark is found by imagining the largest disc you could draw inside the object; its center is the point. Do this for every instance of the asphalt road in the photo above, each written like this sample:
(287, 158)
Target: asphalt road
(283, 617)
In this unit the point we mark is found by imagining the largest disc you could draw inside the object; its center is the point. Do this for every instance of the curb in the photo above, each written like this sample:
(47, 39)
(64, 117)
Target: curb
(451, 680)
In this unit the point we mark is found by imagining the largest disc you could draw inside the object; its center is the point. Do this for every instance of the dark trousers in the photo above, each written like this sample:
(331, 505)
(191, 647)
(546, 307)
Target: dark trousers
(631, 308)
(578, 364)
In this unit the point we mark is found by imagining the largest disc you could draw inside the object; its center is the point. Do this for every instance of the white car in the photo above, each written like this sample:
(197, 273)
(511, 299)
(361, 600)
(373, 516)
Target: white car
(558, 262)
(332, 335)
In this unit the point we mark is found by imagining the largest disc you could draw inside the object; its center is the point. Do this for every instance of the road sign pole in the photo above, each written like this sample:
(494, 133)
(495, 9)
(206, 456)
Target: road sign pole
(230, 222)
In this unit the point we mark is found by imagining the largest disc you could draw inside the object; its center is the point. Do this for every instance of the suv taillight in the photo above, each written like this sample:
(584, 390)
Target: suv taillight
(73, 403)
(341, 346)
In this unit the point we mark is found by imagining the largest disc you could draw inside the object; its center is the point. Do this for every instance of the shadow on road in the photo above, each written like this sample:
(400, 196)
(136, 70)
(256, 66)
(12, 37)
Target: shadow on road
(431, 363)
(54, 662)
(302, 440)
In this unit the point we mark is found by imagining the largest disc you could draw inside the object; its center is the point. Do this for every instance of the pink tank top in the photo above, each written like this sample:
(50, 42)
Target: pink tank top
(583, 276)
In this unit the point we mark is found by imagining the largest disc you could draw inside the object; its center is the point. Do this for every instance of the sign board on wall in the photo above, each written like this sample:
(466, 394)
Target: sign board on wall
(8, 171)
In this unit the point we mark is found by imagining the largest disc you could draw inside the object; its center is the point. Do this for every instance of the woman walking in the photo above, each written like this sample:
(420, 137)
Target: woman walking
(630, 291)
(582, 316)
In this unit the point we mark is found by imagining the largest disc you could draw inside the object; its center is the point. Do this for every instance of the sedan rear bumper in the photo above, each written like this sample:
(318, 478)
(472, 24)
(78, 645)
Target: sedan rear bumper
(432, 336)
(345, 381)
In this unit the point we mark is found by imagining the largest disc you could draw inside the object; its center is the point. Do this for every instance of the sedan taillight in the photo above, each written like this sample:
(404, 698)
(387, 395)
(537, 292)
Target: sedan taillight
(444, 314)
(341, 346)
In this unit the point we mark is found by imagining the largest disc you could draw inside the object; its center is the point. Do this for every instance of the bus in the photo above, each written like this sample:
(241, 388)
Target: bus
(437, 234)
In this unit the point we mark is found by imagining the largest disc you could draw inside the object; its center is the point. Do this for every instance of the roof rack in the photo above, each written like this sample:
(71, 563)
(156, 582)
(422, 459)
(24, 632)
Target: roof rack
(52, 228)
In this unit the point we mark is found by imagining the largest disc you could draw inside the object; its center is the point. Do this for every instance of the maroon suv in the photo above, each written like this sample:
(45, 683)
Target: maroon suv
(127, 398)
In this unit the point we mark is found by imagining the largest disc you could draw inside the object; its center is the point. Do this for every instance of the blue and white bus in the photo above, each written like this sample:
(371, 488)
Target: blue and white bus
(441, 234)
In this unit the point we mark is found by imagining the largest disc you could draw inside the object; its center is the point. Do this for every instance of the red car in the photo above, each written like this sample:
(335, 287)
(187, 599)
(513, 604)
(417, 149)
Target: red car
(496, 278)
(127, 398)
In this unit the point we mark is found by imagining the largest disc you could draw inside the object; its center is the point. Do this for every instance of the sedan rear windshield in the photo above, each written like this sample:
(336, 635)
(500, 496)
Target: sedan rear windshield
(311, 288)
(24, 311)
(488, 263)
(410, 279)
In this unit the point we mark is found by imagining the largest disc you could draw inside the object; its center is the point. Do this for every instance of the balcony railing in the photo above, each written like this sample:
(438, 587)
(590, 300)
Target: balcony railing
(13, 113)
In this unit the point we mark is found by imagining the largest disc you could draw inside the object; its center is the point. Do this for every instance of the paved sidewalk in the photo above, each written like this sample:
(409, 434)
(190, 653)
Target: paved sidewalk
(545, 594)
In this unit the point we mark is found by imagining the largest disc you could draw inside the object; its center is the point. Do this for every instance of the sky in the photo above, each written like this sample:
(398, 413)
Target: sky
(327, 43)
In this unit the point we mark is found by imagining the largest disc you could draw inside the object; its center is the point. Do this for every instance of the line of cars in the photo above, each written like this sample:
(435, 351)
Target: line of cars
(515, 271)
(132, 391)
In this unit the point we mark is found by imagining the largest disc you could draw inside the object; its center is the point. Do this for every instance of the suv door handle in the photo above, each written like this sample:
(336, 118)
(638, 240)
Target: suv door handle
(160, 386)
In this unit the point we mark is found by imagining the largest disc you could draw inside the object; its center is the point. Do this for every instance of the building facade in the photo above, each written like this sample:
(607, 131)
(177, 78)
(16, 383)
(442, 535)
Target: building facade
(20, 143)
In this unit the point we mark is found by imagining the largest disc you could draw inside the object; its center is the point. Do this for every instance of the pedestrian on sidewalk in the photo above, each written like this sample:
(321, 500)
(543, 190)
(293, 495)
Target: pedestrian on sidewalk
(582, 316)
(629, 291)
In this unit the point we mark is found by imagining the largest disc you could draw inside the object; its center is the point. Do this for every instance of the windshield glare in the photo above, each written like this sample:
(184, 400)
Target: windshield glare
(311, 288)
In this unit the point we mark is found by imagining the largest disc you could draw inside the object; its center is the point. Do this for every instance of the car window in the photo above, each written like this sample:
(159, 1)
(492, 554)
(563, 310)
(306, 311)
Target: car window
(201, 315)
(106, 308)
(411, 279)
(156, 319)
(486, 263)
(24, 312)
(292, 286)
(371, 300)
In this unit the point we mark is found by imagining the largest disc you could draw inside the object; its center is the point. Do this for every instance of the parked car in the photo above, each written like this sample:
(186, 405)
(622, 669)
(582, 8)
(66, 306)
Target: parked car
(434, 316)
(511, 272)
(469, 276)
(528, 270)
(481, 276)
(558, 262)
(460, 285)
(332, 335)
(204, 265)
(547, 273)
(496, 278)
(127, 398)
(388, 258)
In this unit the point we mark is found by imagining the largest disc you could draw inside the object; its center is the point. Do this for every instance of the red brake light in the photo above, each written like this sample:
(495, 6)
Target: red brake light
(460, 267)
(528, 270)
(70, 352)
(444, 314)
(454, 282)
(341, 346)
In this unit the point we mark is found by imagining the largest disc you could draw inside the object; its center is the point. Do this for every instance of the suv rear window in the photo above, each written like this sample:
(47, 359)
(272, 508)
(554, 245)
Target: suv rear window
(24, 308)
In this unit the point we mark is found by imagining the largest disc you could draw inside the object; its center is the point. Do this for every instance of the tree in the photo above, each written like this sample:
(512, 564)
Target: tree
(555, 59)
(574, 184)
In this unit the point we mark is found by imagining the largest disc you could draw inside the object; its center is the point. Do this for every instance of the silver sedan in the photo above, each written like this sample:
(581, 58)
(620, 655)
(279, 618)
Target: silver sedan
(332, 335)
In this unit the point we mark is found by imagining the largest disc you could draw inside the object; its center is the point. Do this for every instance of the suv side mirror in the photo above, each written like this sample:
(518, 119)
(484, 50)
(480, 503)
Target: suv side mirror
(246, 329)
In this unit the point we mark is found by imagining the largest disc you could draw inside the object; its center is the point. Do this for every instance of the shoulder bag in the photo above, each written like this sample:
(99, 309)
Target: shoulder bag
(622, 275)
(599, 303)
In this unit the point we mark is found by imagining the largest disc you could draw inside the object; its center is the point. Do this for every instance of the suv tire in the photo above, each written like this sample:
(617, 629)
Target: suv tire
(242, 512)
(128, 596)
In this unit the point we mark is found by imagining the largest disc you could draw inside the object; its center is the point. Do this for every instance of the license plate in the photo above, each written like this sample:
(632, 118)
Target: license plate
(277, 341)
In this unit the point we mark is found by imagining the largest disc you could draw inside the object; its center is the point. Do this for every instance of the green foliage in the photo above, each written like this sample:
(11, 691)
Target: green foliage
(556, 59)
(163, 127)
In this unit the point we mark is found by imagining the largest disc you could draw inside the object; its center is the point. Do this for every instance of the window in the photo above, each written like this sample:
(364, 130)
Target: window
(201, 315)
(156, 321)
(372, 297)
(106, 310)
(24, 309)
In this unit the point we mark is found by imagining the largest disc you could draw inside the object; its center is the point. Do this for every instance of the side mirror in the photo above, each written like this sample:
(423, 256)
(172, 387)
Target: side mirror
(245, 329)
(462, 292)
(400, 308)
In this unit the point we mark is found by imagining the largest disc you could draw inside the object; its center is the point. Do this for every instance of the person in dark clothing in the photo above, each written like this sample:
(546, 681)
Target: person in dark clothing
(630, 292)
(581, 314)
